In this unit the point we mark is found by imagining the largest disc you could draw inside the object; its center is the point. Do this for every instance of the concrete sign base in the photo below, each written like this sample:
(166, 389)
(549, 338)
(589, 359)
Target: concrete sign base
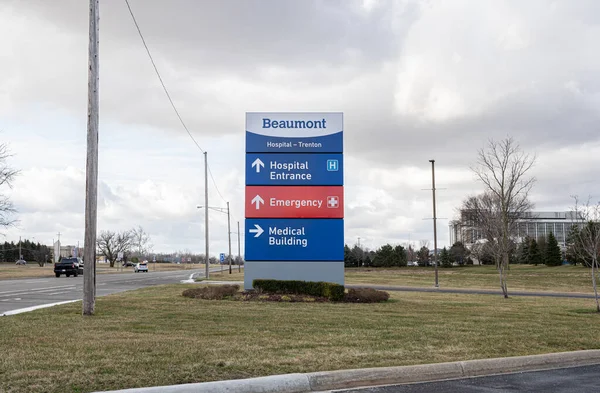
(288, 270)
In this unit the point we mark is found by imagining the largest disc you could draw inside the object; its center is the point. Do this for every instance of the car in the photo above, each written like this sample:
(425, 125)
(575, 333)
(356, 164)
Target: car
(21, 262)
(69, 266)
(140, 267)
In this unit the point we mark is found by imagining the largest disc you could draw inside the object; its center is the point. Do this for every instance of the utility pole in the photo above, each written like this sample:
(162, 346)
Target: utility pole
(229, 234)
(206, 273)
(20, 253)
(239, 252)
(359, 242)
(59, 249)
(91, 178)
(435, 261)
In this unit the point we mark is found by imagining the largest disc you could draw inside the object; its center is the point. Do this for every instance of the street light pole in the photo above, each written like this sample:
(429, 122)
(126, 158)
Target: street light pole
(229, 234)
(239, 253)
(434, 224)
(206, 212)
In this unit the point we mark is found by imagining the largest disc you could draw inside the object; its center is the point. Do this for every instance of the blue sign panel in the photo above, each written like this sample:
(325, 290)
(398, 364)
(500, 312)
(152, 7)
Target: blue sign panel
(294, 239)
(222, 257)
(294, 132)
(294, 169)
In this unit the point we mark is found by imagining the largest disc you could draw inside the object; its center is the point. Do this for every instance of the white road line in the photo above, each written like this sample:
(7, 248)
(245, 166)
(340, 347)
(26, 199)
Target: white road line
(39, 289)
(57, 293)
(36, 281)
(27, 309)
(36, 291)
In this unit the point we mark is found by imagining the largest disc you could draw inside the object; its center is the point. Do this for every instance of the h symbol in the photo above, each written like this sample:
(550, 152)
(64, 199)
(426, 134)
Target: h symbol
(332, 165)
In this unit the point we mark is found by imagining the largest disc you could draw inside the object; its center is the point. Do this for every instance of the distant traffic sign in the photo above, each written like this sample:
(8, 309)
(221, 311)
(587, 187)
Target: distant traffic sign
(222, 257)
(294, 240)
(295, 202)
(294, 169)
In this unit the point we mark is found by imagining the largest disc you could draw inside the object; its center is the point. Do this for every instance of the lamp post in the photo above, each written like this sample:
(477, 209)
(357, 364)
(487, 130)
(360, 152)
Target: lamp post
(239, 248)
(434, 224)
(224, 211)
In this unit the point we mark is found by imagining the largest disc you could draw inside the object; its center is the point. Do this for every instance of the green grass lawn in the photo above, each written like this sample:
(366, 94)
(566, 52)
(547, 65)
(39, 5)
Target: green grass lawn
(154, 336)
(520, 277)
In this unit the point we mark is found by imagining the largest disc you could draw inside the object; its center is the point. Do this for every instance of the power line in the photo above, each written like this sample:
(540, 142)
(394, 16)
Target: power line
(169, 96)
(215, 183)
(160, 78)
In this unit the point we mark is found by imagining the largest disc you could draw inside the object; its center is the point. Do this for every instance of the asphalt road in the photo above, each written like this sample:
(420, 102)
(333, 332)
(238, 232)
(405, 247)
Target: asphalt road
(22, 293)
(582, 379)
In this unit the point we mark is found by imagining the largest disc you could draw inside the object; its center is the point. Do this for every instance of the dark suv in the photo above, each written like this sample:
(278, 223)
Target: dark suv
(68, 266)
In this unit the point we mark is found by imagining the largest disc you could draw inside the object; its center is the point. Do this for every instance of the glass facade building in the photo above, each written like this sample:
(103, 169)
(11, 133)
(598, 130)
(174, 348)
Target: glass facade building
(534, 225)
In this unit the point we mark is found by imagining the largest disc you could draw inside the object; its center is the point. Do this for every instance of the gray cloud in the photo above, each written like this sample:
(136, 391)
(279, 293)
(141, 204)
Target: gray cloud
(416, 80)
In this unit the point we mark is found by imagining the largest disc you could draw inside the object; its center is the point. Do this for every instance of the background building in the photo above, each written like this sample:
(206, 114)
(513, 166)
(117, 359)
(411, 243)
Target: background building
(534, 225)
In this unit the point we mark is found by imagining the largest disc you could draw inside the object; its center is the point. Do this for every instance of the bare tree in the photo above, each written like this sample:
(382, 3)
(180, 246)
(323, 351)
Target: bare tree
(502, 167)
(586, 233)
(7, 176)
(141, 241)
(110, 244)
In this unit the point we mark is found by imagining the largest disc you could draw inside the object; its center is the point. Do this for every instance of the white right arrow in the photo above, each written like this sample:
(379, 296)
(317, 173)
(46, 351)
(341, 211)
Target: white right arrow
(258, 163)
(259, 231)
(258, 200)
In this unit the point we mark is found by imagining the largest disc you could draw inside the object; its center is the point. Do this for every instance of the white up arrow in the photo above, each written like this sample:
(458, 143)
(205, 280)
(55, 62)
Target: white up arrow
(258, 230)
(258, 200)
(258, 163)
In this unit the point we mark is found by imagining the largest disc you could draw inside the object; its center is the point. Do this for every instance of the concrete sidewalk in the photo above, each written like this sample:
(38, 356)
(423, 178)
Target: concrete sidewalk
(343, 379)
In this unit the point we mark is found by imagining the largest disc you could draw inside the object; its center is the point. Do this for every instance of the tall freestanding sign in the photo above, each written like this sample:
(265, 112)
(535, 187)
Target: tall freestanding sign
(294, 197)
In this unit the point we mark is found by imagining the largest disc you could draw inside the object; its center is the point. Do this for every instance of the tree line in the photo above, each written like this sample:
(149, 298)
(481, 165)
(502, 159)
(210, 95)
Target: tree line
(30, 251)
(399, 256)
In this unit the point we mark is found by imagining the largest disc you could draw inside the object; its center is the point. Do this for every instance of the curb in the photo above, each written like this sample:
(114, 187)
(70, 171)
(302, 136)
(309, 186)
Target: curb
(33, 308)
(344, 379)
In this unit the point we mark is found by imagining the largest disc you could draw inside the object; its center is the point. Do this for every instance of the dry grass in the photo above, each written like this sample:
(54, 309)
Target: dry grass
(520, 277)
(155, 336)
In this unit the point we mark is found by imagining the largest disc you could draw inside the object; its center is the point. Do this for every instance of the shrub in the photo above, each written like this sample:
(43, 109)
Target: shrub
(366, 295)
(217, 292)
(332, 291)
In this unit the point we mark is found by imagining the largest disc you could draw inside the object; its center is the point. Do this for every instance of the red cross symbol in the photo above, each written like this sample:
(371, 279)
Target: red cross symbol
(333, 202)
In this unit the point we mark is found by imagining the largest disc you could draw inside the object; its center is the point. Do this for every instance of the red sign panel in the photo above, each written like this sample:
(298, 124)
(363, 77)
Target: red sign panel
(294, 202)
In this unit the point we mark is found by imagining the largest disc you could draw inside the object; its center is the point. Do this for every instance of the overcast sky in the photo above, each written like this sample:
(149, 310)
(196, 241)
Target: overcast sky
(416, 80)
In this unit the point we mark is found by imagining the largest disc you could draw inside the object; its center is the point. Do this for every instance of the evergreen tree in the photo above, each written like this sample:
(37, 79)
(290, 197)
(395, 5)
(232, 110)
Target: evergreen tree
(400, 258)
(423, 256)
(524, 251)
(553, 254)
(542, 243)
(535, 257)
(445, 260)
(348, 257)
(459, 253)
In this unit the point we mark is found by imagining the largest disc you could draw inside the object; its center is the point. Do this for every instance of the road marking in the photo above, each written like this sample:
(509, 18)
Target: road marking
(27, 309)
(35, 282)
(57, 293)
(41, 291)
